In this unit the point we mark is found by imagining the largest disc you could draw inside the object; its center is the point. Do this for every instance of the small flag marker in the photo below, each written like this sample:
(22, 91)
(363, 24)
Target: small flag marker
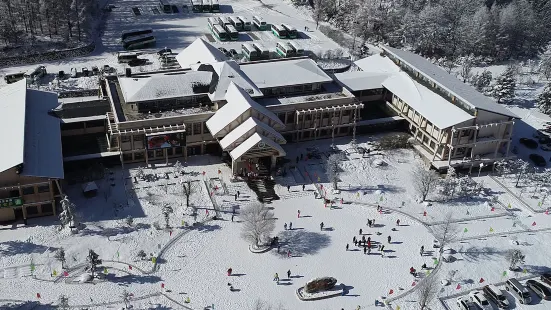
(424, 213)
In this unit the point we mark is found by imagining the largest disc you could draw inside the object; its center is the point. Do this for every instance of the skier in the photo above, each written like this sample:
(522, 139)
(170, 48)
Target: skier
(355, 242)
(389, 238)
(422, 251)
(303, 186)
(347, 246)
(289, 274)
(379, 247)
(369, 239)
(360, 231)
(321, 226)
(285, 226)
(398, 222)
(288, 188)
(290, 225)
(424, 266)
(297, 160)
(298, 213)
(412, 271)
(236, 197)
(229, 271)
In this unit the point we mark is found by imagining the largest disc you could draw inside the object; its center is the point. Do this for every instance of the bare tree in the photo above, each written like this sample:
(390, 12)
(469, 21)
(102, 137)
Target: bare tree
(318, 11)
(63, 302)
(521, 168)
(177, 168)
(258, 223)
(93, 261)
(126, 296)
(427, 290)
(466, 69)
(188, 189)
(394, 141)
(167, 210)
(333, 169)
(60, 256)
(446, 232)
(141, 254)
(424, 181)
(515, 257)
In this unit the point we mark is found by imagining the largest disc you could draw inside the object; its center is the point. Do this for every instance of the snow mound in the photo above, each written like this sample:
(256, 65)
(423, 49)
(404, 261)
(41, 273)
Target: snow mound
(84, 278)
(378, 192)
(379, 162)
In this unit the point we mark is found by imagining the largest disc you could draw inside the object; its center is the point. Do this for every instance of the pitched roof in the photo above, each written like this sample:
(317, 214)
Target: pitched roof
(377, 64)
(436, 109)
(12, 124)
(285, 73)
(462, 91)
(243, 132)
(253, 141)
(238, 103)
(159, 86)
(199, 51)
(361, 80)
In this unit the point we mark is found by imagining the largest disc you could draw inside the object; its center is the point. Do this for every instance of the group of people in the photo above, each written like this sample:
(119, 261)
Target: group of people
(276, 276)
(366, 243)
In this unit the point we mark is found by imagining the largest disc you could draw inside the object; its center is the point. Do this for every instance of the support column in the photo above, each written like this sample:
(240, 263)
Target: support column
(52, 196)
(273, 161)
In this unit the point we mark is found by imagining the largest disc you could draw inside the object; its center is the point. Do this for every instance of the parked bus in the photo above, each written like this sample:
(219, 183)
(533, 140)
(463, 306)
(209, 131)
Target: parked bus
(133, 33)
(219, 32)
(142, 41)
(126, 56)
(279, 31)
(299, 51)
(165, 6)
(206, 7)
(237, 23)
(224, 21)
(250, 52)
(259, 23)
(233, 33)
(285, 50)
(212, 22)
(12, 78)
(263, 52)
(197, 5)
(215, 6)
(246, 23)
(35, 74)
(291, 31)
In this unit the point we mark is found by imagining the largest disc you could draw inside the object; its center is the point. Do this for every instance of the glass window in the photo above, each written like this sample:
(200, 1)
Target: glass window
(125, 139)
(345, 112)
(28, 190)
(138, 138)
(169, 151)
(127, 156)
(32, 210)
(47, 208)
(138, 155)
(205, 129)
(196, 128)
(159, 153)
(44, 188)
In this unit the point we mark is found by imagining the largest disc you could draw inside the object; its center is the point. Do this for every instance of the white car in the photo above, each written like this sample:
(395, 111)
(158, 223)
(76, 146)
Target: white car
(463, 303)
(480, 300)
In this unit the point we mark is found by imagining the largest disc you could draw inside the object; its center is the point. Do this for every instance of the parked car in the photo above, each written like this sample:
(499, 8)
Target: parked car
(478, 298)
(61, 75)
(85, 71)
(546, 278)
(496, 295)
(464, 303)
(538, 160)
(95, 70)
(546, 147)
(107, 69)
(518, 290)
(529, 143)
(74, 72)
(540, 289)
(544, 139)
(233, 52)
(165, 50)
(137, 62)
(225, 51)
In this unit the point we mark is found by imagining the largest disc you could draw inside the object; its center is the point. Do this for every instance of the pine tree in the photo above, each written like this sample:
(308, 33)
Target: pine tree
(67, 216)
(545, 62)
(504, 89)
(167, 210)
(93, 261)
(60, 256)
(544, 100)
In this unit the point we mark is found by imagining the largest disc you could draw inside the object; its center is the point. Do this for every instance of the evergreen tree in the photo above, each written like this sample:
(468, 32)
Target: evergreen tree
(544, 100)
(545, 62)
(482, 81)
(60, 256)
(93, 261)
(504, 89)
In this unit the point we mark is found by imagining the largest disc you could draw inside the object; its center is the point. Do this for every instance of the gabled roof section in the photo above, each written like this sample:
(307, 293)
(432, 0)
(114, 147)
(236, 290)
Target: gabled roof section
(239, 102)
(199, 51)
(141, 88)
(247, 129)
(377, 64)
(12, 124)
(229, 71)
(442, 113)
(462, 91)
(361, 80)
(256, 141)
(280, 73)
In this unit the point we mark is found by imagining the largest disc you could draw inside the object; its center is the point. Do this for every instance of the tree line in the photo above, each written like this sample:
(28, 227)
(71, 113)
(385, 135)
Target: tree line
(30, 21)
(498, 29)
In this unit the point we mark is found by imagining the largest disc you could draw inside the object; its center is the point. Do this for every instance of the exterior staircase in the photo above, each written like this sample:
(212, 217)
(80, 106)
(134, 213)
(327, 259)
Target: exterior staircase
(263, 186)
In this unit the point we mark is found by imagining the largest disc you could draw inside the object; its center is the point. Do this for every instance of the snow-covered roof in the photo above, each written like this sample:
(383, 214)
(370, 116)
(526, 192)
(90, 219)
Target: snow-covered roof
(43, 153)
(140, 88)
(199, 51)
(436, 109)
(238, 103)
(12, 124)
(270, 74)
(361, 80)
(246, 129)
(462, 91)
(229, 71)
(259, 141)
(377, 64)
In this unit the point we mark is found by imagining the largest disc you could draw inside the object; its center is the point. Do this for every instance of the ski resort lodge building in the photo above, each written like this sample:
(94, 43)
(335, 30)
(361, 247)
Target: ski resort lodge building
(243, 112)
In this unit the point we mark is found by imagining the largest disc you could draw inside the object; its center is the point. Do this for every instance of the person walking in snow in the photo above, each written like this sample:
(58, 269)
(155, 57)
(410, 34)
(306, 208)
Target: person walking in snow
(398, 222)
(235, 197)
(298, 213)
(347, 246)
(288, 188)
(290, 225)
(422, 251)
(289, 274)
(382, 248)
(365, 250)
(389, 238)
(232, 217)
(369, 244)
(229, 271)
(303, 186)
(379, 247)
(238, 194)
(276, 278)
(368, 223)
(297, 160)
(288, 253)
(369, 250)
(354, 239)
(382, 253)
(361, 231)
(321, 226)
(285, 226)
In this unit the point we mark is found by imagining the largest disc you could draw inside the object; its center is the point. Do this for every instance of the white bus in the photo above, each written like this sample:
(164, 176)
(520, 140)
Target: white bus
(285, 50)
(236, 23)
(291, 31)
(250, 52)
(279, 31)
(224, 21)
(263, 52)
(299, 51)
(205, 6)
(233, 33)
(141, 41)
(126, 56)
(213, 21)
(246, 23)
(219, 32)
(197, 5)
(215, 6)
(259, 23)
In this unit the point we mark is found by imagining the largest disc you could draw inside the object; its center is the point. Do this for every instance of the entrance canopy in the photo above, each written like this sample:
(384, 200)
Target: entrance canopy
(246, 130)
(256, 146)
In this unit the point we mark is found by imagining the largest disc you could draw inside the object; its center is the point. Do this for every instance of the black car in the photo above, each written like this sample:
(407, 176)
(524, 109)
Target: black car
(541, 290)
(137, 62)
(165, 50)
(546, 278)
(529, 143)
(223, 50)
(233, 52)
(538, 160)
